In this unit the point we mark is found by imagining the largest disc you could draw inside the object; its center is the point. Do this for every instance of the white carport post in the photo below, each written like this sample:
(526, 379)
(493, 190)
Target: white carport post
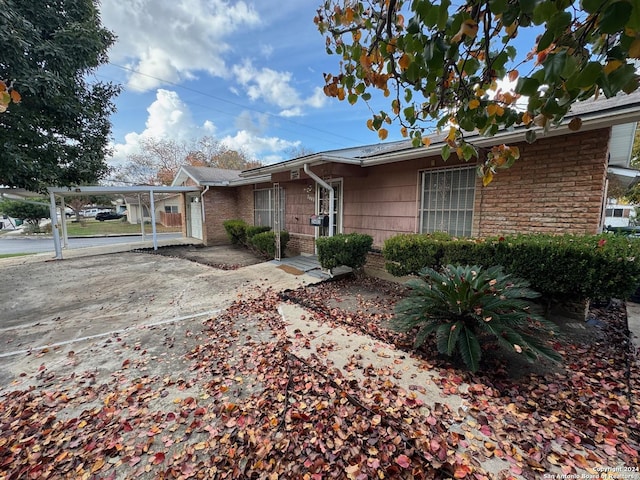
(141, 215)
(153, 220)
(63, 221)
(54, 226)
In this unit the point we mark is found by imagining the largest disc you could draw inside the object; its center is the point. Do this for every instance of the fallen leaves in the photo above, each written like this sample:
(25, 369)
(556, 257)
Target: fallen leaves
(244, 407)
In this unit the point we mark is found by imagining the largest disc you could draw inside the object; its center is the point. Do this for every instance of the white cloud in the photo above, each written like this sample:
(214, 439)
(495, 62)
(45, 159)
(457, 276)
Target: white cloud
(170, 118)
(174, 39)
(275, 88)
(264, 149)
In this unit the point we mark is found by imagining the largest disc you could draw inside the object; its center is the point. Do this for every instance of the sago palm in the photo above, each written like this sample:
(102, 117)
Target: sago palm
(463, 304)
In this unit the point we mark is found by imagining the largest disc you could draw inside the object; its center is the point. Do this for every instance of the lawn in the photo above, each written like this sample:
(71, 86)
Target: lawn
(9, 255)
(91, 227)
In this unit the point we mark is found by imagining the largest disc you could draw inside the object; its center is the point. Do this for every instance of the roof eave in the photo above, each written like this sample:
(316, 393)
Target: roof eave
(591, 122)
(316, 159)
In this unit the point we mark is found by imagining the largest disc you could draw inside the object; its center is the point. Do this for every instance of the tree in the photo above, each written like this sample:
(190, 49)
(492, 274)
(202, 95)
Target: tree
(159, 160)
(31, 211)
(58, 134)
(440, 63)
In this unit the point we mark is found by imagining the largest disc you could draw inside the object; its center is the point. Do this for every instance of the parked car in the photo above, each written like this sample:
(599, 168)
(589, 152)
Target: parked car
(102, 216)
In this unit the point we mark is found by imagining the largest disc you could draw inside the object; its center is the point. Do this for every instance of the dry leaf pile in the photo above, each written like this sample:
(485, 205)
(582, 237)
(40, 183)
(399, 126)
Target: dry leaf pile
(247, 407)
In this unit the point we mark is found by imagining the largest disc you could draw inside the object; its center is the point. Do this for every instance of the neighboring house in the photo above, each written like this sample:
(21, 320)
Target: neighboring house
(167, 209)
(559, 185)
(619, 215)
(225, 195)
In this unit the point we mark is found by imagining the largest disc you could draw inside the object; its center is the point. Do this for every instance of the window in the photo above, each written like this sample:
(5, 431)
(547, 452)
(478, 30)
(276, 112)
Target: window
(446, 203)
(264, 208)
(617, 212)
(171, 209)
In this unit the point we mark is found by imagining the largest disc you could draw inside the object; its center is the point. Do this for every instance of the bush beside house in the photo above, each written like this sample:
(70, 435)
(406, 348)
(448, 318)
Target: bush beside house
(259, 238)
(344, 249)
(560, 267)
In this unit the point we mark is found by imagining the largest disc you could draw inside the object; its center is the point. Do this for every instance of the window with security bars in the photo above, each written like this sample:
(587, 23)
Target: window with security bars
(446, 203)
(264, 207)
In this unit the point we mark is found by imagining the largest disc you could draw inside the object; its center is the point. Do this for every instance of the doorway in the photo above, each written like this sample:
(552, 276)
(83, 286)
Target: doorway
(334, 211)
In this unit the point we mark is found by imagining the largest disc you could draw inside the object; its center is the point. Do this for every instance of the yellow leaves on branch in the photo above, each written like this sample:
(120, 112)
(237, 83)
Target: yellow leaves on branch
(611, 66)
(468, 28)
(634, 49)
(493, 109)
(7, 95)
(500, 156)
(404, 61)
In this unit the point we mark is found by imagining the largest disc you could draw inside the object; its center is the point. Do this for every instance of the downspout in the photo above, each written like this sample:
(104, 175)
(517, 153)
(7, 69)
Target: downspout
(326, 186)
(206, 189)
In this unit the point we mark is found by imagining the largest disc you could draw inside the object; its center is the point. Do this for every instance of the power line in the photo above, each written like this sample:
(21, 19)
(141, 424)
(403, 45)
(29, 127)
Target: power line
(236, 104)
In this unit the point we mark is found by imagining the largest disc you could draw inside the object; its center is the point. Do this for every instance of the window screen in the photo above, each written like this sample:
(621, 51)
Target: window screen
(264, 208)
(447, 201)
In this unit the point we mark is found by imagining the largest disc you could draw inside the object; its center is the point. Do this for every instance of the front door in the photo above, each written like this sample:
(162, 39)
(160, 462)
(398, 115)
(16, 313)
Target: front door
(334, 211)
(195, 218)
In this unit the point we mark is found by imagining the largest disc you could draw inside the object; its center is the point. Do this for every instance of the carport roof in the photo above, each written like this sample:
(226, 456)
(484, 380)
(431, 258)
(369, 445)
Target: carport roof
(89, 190)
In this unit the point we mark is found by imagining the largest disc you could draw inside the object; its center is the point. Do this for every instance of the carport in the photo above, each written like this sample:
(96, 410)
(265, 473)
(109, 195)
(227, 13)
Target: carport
(58, 227)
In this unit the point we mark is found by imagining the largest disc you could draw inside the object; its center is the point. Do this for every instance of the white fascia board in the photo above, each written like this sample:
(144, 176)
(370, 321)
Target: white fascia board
(316, 159)
(84, 190)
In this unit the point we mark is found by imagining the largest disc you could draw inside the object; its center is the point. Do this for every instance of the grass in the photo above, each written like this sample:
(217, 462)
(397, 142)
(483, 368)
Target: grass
(90, 227)
(9, 255)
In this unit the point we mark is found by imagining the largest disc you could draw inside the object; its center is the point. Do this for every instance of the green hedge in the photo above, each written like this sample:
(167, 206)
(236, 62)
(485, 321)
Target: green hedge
(236, 231)
(344, 249)
(251, 231)
(561, 267)
(407, 254)
(265, 243)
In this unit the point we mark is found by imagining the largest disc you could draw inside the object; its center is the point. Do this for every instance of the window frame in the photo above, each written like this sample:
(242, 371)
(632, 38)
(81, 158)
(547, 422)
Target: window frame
(270, 211)
(460, 218)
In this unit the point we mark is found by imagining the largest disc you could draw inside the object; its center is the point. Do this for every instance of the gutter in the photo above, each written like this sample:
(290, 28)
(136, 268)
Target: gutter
(300, 162)
(600, 120)
(326, 186)
(206, 189)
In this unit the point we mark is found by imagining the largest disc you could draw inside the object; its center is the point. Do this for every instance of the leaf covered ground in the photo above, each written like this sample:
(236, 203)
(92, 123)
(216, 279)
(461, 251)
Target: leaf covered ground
(241, 404)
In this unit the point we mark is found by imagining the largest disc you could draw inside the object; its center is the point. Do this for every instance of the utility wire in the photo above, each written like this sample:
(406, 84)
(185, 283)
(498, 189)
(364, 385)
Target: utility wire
(236, 104)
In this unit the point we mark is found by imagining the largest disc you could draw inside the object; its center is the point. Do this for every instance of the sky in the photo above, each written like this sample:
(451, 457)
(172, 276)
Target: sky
(246, 73)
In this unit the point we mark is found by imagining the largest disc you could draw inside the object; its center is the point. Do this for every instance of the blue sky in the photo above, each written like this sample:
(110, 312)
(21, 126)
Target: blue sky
(247, 73)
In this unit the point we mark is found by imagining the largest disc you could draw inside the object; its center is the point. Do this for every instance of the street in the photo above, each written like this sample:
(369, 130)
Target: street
(23, 244)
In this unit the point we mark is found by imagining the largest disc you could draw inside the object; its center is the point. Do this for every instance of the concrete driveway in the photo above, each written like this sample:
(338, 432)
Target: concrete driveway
(75, 313)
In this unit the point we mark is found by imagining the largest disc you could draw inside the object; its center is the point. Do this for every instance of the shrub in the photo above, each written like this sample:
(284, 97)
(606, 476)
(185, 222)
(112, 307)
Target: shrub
(464, 306)
(565, 267)
(251, 231)
(344, 249)
(265, 243)
(236, 231)
(407, 254)
(560, 267)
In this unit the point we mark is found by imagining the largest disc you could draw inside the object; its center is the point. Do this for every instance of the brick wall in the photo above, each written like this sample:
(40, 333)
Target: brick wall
(220, 204)
(300, 243)
(555, 187)
(226, 203)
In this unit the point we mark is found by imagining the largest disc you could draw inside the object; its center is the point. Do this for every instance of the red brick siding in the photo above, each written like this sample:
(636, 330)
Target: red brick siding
(226, 203)
(220, 204)
(299, 243)
(556, 186)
